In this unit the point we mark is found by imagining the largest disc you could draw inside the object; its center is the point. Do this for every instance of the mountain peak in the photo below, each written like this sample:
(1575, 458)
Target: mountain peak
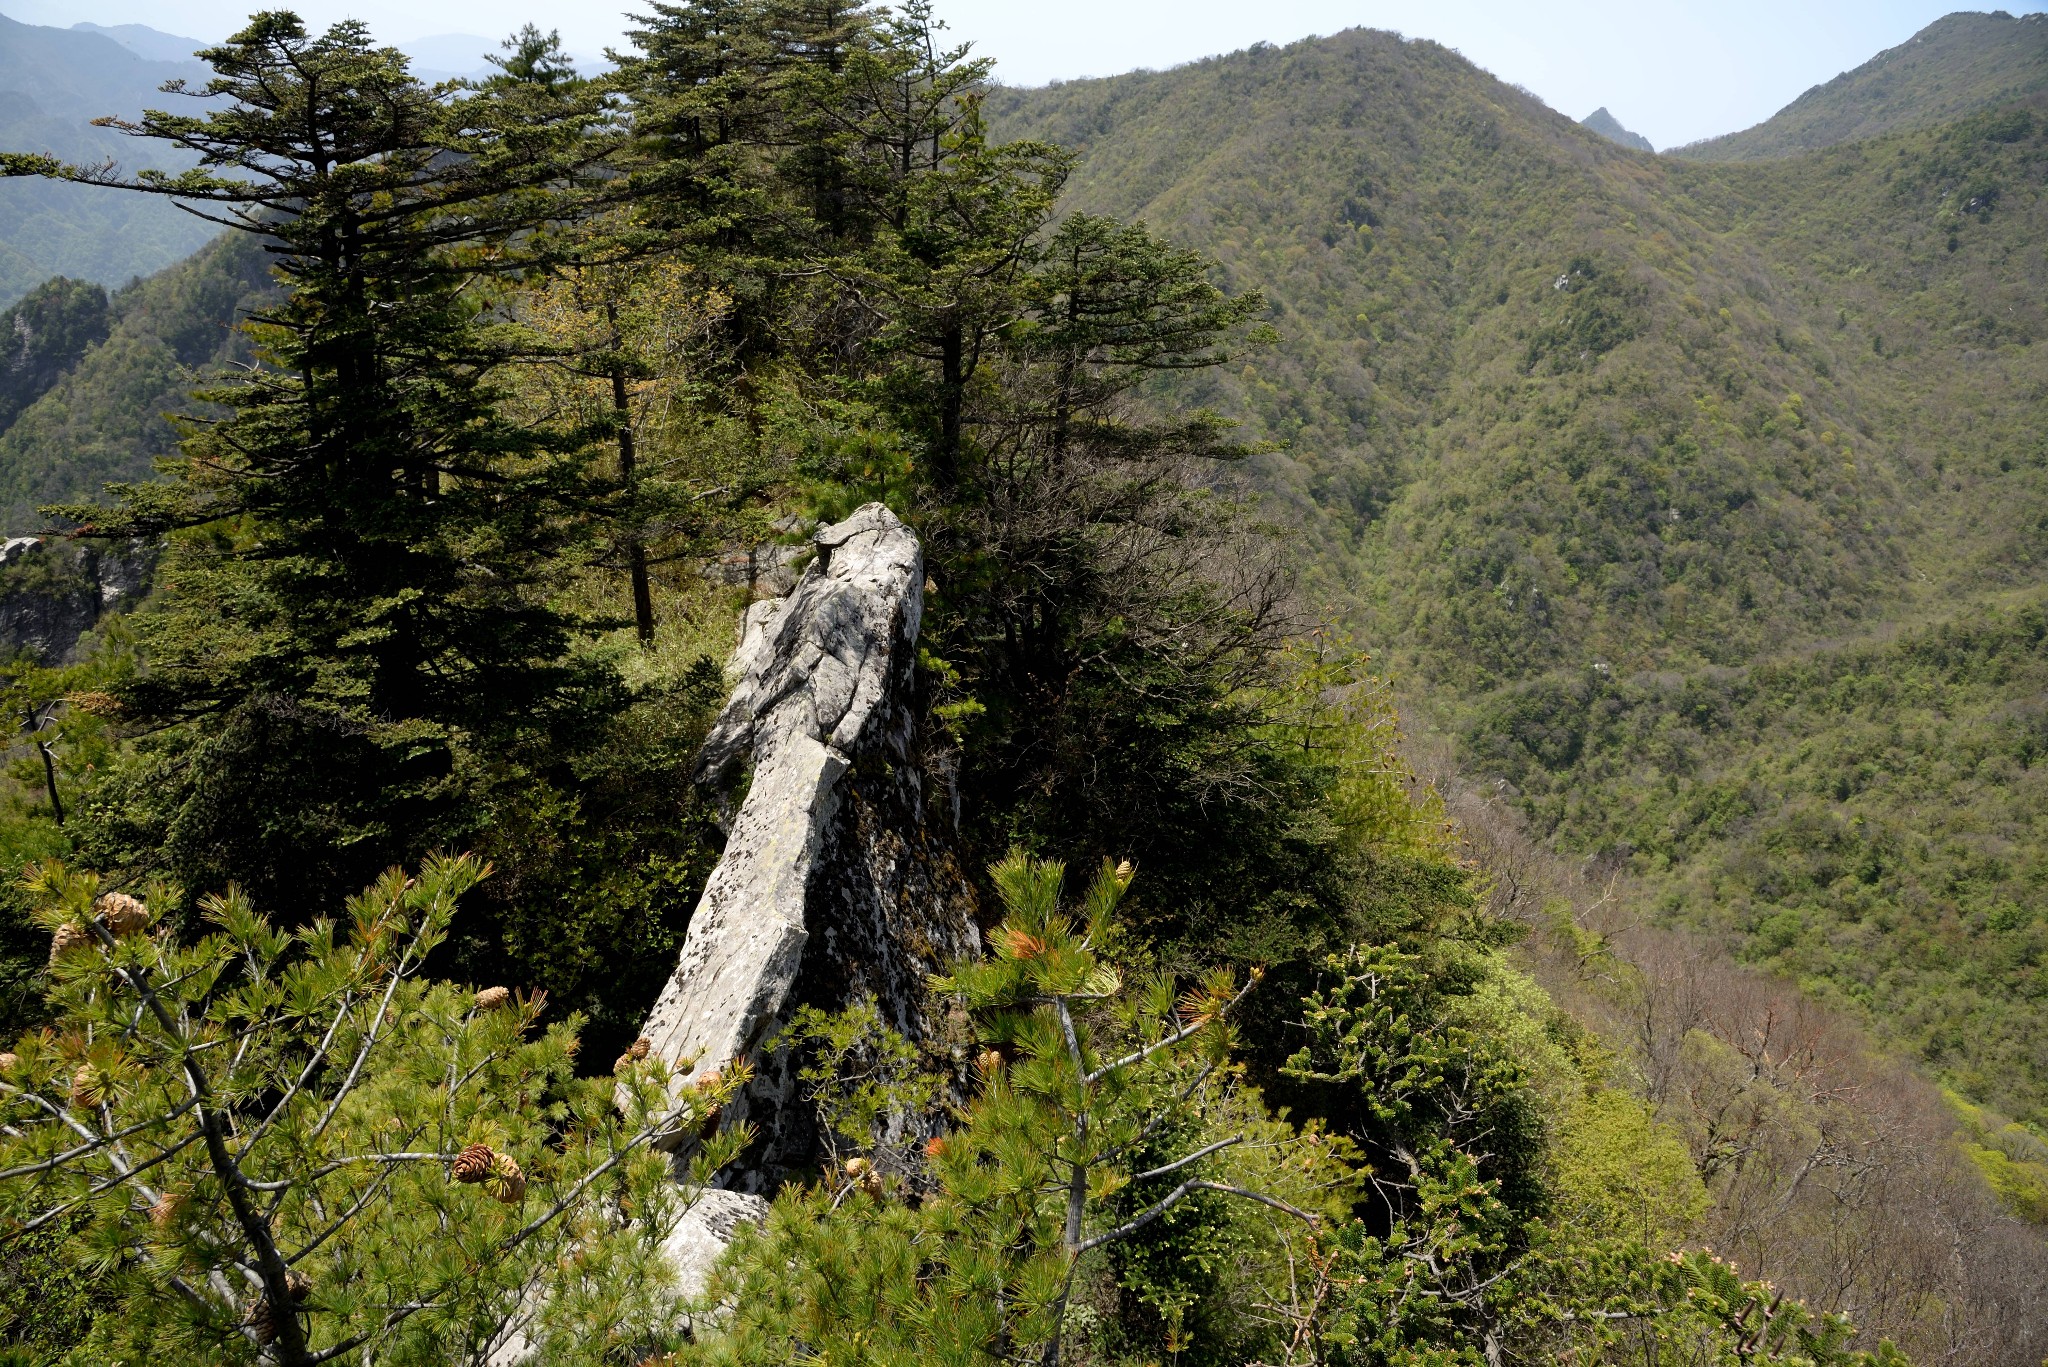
(1958, 65)
(1610, 128)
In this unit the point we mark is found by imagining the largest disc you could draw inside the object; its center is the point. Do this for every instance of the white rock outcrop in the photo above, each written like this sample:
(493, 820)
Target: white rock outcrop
(836, 881)
(839, 881)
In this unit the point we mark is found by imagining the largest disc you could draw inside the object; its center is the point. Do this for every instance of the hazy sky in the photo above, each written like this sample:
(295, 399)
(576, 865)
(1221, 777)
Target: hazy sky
(1672, 71)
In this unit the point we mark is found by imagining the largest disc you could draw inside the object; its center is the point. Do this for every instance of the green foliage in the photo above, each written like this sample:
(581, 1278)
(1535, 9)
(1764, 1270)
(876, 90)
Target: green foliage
(1620, 1174)
(1053, 1221)
(47, 1301)
(541, 337)
(288, 1144)
(1861, 815)
(2012, 1157)
(1103, 647)
(60, 736)
(362, 548)
(46, 333)
(1793, 414)
(1453, 1122)
(1109, 1184)
(104, 421)
(1461, 1258)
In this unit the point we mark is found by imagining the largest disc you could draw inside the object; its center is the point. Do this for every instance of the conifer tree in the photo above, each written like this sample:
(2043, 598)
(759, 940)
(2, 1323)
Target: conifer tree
(361, 548)
(290, 1148)
(1107, 1117)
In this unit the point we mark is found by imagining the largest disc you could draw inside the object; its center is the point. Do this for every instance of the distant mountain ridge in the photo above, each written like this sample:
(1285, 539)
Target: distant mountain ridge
(1956, 66)
(53, 83)
(146, 42)
(1609, 127)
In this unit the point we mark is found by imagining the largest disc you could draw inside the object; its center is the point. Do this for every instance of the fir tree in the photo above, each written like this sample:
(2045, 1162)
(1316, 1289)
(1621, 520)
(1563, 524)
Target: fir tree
(361, 549)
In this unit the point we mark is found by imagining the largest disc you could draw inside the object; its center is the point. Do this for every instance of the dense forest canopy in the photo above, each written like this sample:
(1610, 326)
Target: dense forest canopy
(1602, 450)
(1280, 1052)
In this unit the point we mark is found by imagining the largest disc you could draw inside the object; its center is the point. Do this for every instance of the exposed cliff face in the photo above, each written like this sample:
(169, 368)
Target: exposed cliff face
(52, 593)
(839, 879)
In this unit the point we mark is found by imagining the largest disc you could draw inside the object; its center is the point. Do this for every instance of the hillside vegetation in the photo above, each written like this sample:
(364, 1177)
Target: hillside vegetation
(1567, 425)
(1664, 492)
(1954, 67)
(106, 418)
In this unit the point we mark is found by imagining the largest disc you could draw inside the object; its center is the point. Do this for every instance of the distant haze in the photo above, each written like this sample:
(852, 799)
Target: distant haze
(1671, 72)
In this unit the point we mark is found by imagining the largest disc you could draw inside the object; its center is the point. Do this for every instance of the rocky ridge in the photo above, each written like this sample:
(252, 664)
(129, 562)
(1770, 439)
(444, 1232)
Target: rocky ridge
(839, 881)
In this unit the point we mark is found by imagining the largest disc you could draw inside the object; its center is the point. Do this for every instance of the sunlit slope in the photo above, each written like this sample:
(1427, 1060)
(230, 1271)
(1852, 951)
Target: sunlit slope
(1540, 387)
(1561, 417)
(1958, 65)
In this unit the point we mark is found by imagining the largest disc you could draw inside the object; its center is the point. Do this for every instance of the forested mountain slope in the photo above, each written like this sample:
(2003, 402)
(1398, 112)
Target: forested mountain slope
(1324, 1061)
(105, 418)
(1565, 421)
(53, 83)
(1954, 67)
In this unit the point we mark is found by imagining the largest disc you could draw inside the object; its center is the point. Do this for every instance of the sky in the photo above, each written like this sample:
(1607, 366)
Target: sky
(1674, 72)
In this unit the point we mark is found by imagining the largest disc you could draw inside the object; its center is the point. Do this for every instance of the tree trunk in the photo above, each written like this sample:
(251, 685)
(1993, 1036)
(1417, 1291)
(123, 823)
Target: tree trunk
(952, 384)
(636, 550)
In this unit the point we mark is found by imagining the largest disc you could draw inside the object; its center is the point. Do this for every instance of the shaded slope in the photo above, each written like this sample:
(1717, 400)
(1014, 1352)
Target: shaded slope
(1555, 415)
(43, 336)
(104, 420)
(1956, 66)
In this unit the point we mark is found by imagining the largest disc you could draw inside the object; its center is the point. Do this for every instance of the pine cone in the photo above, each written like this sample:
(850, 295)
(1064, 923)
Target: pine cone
(474, 1164)
(123, 915)
(507, 1184)
(85, 1086)
(165, 1210)
(989, 1062)
(263, 1320)
(633, 1055)
(713, 1111)
(493, 998)
(262, 1323)
(862, 1172)
(68, 937)
(8, 1060)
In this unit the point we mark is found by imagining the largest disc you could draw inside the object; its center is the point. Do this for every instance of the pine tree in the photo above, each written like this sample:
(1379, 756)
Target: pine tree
(290, 1148)
(361, 550)
(1107, 1123)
